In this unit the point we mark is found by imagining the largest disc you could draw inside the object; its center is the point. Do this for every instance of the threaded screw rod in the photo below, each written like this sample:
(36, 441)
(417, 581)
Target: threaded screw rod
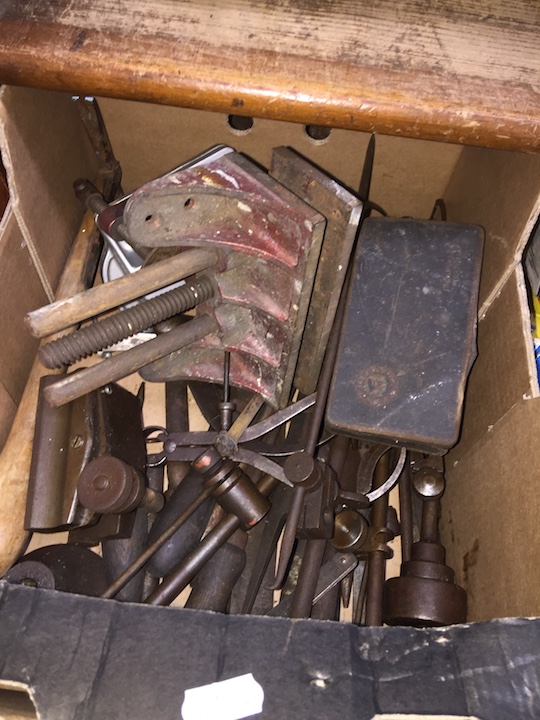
(95, 202)
(123, 324)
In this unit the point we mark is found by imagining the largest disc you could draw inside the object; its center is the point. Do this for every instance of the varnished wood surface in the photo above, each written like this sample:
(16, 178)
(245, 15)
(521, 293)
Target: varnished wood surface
(454, 70)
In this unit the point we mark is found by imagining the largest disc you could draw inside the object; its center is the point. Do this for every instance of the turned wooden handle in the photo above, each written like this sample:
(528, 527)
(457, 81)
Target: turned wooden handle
(83, 305)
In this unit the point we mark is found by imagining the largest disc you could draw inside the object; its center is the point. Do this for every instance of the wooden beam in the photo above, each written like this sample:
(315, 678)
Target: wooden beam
(454, 71)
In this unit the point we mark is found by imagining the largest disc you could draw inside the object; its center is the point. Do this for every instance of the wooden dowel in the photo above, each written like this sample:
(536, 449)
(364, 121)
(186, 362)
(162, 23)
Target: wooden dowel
(17, 452)
(87, 304)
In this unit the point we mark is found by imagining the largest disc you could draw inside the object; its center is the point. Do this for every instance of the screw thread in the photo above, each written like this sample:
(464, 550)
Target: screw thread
(104, 333)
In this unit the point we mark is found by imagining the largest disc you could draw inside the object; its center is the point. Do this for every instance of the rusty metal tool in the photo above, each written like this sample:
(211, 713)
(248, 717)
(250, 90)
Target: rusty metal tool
(66, 439)
(183, 446)
(398, 379)
(314, 429)
(343, 212)
(271, 527)
(183, 574)
(188, 535)
(121, 365)
(330, 575)
(270, 242)
(213, 584)
(267, 484)
(323, 497)
(379, 551)
(108, 331)
(110, 485)
(425, 594)
(99, 299)
(141, 561)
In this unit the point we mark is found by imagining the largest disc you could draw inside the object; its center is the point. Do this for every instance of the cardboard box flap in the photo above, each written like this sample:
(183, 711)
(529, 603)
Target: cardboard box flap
(505, 371)
(496, 189)
(489, 519)
(20, 291)
(141, 136)
(44, 149)
(89, 658)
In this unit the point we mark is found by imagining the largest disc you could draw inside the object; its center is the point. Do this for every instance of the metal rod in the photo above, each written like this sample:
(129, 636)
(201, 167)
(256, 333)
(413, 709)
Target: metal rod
(173, 585)
(141, 561)
(376, 565)
(307, 579)
(99, 299)
(177, 420)
(405, 514)
(245, 418)
(314, 429)
(429, 531)
(226, 377)
(123, 364)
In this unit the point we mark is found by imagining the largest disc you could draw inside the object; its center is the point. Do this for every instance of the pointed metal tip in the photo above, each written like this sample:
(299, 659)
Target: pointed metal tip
(367, 170)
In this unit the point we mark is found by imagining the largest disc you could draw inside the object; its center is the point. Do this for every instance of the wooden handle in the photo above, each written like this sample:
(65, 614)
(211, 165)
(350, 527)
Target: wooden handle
(17, 453)
(83, 305)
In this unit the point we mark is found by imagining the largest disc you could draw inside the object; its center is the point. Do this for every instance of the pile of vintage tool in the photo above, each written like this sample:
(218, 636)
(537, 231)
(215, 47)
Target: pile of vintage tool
(328, 352)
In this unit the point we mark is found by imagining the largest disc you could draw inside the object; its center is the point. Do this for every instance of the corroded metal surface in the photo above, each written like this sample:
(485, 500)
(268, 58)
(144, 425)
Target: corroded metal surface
(409, 337)
(270, 241)
(342, 211)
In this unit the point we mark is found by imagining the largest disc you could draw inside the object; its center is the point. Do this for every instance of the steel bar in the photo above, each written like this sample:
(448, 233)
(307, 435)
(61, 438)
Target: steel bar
(405, 515)
(173, 585)
(141, 561)
(307, 579)
(376, 565)
(123, 364)
(314, 429)
(99, 299)
(332, 573)
(177, 420)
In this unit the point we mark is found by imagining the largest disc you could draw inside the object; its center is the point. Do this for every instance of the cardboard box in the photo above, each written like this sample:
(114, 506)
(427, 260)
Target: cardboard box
(89, 658)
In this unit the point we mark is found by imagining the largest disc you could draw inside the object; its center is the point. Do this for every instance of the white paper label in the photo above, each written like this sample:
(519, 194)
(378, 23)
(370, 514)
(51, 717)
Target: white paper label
(231, 699)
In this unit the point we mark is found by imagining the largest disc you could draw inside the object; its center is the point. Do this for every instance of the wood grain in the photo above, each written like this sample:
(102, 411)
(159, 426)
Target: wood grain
(452, 70)
(17, 452)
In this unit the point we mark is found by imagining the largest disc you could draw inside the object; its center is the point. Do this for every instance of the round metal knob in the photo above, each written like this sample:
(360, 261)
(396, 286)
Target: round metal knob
(350, 531)
(429, 483)
(109, 485)
(302, 470)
